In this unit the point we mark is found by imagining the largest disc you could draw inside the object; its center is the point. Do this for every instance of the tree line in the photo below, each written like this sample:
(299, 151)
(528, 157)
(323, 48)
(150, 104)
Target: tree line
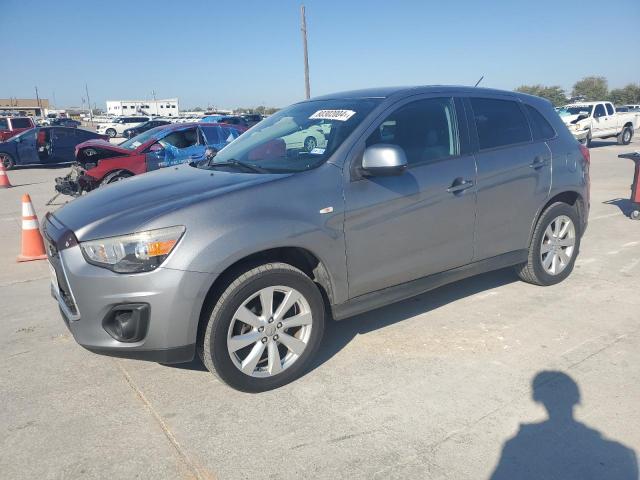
(587, 89)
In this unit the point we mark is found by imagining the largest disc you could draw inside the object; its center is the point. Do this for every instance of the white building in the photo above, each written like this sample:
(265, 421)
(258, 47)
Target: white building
(167, 107)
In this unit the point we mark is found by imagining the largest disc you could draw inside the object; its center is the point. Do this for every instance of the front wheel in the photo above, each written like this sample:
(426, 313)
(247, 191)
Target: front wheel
(111, 132)
(114, 177)
(554, 246)
(7, 161)
(587, 140)
(264, 328)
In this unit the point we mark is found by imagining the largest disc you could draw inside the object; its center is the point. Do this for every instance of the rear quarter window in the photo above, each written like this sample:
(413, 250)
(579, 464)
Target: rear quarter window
(540, 127)
(21, 123)
(499, 122)
(4, 124)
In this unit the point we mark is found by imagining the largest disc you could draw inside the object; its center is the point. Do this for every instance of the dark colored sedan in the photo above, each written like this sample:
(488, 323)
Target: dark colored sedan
(133, 131)
(233, 120)
(44, 146)
(64, 122)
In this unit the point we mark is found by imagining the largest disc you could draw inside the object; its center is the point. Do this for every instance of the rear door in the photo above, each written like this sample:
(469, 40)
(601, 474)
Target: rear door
(27, 148)
(405, 227)
(514, 174)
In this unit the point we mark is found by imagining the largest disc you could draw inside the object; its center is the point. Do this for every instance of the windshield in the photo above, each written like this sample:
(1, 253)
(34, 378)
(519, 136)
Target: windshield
(144, 137)
(575, 110)
(298, 138)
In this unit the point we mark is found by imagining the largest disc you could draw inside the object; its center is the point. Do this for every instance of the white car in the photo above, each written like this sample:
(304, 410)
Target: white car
(589, 120)
(118, 125)
(308, 139)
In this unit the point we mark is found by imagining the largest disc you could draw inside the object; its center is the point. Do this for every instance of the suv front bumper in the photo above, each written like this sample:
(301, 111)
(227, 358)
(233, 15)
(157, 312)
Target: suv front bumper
(87, 296)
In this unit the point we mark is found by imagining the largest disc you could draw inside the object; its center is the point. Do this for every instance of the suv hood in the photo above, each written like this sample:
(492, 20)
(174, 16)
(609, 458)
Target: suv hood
(127, 206)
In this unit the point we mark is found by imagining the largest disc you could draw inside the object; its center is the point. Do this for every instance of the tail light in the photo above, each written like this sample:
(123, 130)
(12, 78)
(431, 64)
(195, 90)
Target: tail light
(585, 153)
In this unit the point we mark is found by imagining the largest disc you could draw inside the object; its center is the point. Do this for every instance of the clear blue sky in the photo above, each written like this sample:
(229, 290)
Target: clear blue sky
(249, 52)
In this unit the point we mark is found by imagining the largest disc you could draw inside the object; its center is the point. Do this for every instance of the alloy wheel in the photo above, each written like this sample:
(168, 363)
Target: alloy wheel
(558, 245)
(269, 331)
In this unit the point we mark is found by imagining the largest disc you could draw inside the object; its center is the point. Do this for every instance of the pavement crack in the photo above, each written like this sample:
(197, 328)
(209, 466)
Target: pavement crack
(198, 474)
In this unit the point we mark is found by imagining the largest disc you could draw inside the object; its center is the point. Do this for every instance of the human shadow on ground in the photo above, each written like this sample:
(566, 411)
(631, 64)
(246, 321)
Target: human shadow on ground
(560, 447)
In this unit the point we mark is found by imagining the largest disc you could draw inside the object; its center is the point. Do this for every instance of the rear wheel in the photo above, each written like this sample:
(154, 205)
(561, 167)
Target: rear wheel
(264, 328)
(111, 132)
(554, 246)
(7, 161)
(625, 136)
(310, 143)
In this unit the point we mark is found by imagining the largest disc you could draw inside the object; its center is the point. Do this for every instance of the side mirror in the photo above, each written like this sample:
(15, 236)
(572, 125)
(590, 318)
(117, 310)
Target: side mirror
(156, 147)
(383, 160)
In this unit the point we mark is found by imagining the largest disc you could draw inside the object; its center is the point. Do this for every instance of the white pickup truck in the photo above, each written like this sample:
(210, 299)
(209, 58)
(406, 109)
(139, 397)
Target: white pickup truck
(589, 120)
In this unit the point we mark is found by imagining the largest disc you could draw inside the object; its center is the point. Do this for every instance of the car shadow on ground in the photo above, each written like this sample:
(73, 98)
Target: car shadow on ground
(604, 143)
(562, 447)
(338, 334)
(624, 204)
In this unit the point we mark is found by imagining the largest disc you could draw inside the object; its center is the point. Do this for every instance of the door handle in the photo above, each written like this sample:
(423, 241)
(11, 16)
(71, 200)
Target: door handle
(539, 162)
(460, 185)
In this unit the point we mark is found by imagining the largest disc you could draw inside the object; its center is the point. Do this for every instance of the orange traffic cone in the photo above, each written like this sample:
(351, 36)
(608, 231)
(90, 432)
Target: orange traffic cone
(32, 243)
(4, 179)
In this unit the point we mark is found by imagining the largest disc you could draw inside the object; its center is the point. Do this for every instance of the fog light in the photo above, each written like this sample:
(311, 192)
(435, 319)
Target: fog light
(127, 322)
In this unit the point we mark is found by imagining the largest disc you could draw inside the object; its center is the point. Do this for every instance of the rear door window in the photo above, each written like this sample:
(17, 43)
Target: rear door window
(609, 109)
(499, 122)
(540, 127)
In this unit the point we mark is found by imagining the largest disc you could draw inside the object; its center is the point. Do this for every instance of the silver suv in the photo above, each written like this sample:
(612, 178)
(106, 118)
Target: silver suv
(242, 257)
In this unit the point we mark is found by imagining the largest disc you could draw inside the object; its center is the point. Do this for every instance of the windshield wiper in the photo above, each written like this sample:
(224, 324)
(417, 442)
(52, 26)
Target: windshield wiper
(237, 163)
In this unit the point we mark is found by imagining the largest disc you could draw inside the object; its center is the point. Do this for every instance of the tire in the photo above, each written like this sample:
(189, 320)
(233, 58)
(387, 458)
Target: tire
(111, 132)
(534, 271)
(587, 141)
(114, 177)
(7, 160)
(215, 347)
(310, 143)
(625, 136)
(635, 215)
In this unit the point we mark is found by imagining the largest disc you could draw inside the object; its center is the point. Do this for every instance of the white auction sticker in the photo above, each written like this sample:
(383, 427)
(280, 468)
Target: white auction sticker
(317, 151)
(342, 115)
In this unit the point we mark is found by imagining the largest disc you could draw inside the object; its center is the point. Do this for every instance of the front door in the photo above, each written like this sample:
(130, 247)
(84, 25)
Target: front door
(599, 125)
(421, 222)
(514, 176)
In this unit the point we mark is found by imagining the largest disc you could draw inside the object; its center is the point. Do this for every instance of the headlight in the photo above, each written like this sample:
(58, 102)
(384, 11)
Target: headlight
(136, 252)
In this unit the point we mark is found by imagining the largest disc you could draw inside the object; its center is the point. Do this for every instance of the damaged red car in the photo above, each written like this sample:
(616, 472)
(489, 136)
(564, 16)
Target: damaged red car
(99, 162)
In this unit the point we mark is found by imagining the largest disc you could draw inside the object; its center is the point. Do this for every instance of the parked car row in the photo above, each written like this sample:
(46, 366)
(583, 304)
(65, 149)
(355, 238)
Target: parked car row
(100, 163)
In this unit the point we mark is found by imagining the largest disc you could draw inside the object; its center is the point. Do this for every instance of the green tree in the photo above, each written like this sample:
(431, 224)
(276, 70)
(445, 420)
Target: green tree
(197, 109)
(592, 88)
(625, 95)
(554, 94)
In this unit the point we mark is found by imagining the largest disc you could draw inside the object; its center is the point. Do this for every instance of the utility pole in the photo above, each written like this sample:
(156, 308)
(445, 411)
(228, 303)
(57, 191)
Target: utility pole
(303, 28)
(38, 102)
(86, 89)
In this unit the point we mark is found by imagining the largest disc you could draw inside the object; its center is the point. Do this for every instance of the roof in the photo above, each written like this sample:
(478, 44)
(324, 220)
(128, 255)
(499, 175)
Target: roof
(385, 92)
